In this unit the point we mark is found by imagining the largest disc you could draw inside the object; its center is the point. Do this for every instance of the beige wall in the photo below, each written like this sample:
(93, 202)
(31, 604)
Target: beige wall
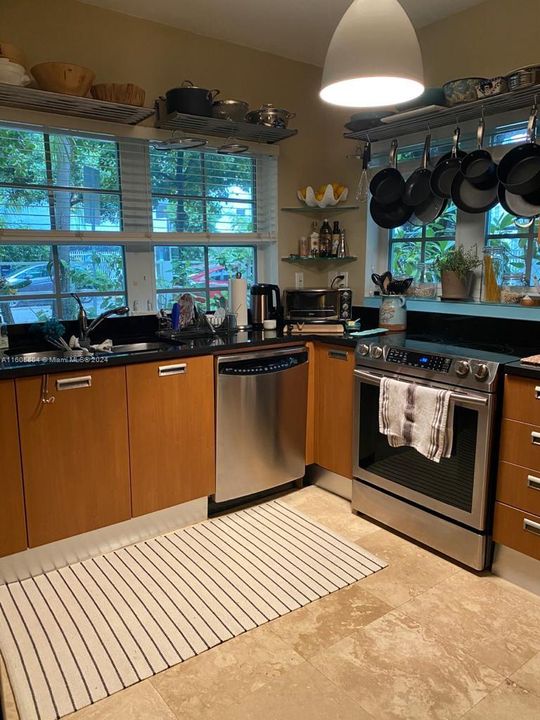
(490, 38)
(122, 48)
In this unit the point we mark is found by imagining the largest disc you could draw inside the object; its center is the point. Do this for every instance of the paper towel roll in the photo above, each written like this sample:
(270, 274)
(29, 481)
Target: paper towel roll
(238, 299)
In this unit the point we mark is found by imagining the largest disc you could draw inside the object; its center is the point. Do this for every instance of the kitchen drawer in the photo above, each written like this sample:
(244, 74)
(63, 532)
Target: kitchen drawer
(519, 486)
(517, 529)
(522, 399)
(520, 444)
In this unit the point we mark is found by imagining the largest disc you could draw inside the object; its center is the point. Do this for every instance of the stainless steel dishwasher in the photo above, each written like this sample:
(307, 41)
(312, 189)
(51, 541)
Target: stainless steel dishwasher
(261, 409)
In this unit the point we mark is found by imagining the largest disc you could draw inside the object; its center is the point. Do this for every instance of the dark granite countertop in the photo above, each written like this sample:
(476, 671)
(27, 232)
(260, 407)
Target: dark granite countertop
(11, 368)
(519, 368)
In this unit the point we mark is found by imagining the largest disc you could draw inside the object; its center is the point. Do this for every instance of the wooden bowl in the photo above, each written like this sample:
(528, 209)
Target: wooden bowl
(125, 93)
(63, 78)
(12, 53)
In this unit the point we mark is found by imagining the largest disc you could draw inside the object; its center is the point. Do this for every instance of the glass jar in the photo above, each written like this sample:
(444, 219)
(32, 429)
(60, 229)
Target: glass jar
(514, 288)
(494, 263)
(426, 281)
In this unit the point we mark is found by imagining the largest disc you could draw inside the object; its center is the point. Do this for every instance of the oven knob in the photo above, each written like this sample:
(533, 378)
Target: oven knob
(481, 372)
(363, 349)
(462, 368)
(376, 351)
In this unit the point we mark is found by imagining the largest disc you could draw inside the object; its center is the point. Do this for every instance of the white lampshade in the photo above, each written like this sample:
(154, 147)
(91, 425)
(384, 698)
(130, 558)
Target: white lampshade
(374, 58)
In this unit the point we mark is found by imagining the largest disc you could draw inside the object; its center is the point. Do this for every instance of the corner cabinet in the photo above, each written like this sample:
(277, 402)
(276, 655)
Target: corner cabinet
(334, 408)
(171, 427)
(12, 520)
(75, 452)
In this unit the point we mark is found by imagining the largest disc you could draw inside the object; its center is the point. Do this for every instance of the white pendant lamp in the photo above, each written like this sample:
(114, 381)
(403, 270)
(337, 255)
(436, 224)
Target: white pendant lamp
(373, 58)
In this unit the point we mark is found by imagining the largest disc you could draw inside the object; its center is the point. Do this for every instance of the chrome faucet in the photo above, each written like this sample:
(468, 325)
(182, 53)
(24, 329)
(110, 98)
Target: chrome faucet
(85, 328)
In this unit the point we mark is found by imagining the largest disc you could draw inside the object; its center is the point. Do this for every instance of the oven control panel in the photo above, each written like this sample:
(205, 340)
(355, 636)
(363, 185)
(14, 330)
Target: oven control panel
(439, 363)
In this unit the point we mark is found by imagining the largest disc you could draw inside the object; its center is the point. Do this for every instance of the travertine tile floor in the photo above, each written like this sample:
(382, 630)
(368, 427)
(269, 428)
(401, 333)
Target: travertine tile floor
(422, 639)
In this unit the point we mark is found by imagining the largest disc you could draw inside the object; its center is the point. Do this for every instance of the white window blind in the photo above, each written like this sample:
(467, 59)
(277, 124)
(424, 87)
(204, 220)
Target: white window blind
(54, 181)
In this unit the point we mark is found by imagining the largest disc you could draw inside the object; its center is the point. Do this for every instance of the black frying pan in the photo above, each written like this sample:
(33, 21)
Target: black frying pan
(478, 167)
(387, 186)
(524, 207)
(389, 216)
(417, 187)
(428, 211)
(473, 199)
(446, 170)
(519, 170)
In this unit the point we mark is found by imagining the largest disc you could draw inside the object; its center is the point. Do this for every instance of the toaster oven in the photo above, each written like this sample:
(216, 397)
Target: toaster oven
(307, 304)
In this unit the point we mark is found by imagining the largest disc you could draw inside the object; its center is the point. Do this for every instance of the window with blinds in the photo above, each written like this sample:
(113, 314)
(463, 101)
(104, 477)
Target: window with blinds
(61, 181)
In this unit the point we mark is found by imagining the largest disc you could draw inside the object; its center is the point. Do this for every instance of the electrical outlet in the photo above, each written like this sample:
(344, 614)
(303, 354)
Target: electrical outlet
(341, 283)
(299, 280)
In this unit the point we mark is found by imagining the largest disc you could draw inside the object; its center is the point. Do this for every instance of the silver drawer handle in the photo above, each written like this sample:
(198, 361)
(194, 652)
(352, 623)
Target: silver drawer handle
(337, 355)
(533, 482)
(165, 370)
(531, 526)
(535, 438)
(74, 383)
(537, 392)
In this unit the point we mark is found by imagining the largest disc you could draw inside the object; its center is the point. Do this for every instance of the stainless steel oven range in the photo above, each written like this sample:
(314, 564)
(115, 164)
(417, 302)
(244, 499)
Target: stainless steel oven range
(443, 505)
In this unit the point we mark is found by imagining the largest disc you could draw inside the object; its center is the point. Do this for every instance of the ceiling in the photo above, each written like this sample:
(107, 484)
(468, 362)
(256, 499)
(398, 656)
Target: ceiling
(296, 29)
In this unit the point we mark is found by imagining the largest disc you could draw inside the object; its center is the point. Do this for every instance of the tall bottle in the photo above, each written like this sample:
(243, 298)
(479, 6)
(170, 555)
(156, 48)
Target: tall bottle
(335, 238)
(314, 244)
(325, 239)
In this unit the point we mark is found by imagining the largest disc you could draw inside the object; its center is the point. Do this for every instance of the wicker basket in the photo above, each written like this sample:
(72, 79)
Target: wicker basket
(124, 93)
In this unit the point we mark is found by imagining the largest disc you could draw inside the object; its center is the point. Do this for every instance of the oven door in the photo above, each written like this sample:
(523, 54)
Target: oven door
(456, 487)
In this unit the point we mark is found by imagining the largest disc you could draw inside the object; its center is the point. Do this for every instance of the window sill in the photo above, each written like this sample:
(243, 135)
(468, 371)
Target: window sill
(473, 308)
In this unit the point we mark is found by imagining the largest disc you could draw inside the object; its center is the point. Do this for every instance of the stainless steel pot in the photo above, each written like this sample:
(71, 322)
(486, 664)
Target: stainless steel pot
(233, 110)
(270, 116)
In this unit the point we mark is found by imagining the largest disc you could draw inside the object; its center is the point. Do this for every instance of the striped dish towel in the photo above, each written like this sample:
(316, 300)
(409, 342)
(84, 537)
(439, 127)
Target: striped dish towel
(417, 416)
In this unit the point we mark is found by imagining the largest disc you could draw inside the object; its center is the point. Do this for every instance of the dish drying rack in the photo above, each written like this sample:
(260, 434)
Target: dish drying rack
(199, 330)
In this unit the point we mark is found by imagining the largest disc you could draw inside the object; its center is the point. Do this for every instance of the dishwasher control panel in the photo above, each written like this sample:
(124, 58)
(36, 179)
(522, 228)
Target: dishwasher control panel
(262, 366)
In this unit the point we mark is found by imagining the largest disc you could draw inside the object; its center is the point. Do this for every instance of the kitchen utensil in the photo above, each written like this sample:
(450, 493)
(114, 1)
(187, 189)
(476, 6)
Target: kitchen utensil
(232, 147)
(523, 77)
(179, 141)
(233, 110)
(363, 184)
(428, 211)
(12, 73)
(190, 99)
(519, 170)
(63, 78)
(520, 206)
(446, 170)
(417, 187)
(478, 167)
(472, 199)
(12, 53)
(265, 303)
(388, 185)
(123, 93)
(491, 86)
(270, 116)
(462, 90)
(399, 287)
(389, 216)
(382, 281)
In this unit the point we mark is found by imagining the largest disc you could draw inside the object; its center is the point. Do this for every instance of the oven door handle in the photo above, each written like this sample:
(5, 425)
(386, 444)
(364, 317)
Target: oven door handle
(376, 380)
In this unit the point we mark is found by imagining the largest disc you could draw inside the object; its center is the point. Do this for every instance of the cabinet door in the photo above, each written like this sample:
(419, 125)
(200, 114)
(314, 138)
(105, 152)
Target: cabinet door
(334, 372)
(12, 520)
(75, 452)
(171, 426)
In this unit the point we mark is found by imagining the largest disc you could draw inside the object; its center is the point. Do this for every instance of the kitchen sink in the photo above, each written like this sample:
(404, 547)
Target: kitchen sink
(140, 347)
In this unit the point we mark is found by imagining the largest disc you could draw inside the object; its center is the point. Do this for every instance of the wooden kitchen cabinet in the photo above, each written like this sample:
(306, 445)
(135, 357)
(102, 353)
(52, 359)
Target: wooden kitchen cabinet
(311, 402)
(75, 452)
(171, 425)
(334, 399)
(12, 518)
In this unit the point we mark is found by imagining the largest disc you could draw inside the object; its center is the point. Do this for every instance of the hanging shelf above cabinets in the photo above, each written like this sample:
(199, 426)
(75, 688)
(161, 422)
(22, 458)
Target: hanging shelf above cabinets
(200, 125)
(410, 122)
(13, 96)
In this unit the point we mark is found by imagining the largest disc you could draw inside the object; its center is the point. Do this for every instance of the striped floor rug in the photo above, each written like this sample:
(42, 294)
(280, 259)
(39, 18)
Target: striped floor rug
(73, 636)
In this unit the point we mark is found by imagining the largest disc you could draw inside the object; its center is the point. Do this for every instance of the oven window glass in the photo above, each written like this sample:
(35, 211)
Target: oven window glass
(450, 481)
(313, 301)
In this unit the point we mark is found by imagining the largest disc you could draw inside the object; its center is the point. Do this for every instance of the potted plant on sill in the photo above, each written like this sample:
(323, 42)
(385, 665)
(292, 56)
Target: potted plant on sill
(456, 269)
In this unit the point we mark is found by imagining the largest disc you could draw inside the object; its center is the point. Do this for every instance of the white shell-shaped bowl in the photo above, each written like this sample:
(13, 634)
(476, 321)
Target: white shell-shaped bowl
(328, 199)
